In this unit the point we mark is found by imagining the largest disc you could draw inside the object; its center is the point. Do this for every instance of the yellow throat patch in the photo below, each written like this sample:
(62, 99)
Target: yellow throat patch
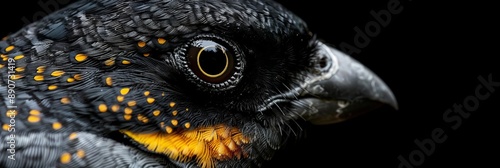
(206, 144)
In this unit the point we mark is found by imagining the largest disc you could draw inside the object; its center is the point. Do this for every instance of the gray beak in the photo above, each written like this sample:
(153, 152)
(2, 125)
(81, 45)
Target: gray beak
(342, 88)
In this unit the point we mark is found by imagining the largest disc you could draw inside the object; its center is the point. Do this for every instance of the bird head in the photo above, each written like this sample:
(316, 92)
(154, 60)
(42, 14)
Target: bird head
(240, 73)
(200, 83)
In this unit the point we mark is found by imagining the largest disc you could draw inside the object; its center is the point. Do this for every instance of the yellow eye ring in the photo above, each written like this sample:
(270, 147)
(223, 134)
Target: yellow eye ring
(211, 61)
(203, 71)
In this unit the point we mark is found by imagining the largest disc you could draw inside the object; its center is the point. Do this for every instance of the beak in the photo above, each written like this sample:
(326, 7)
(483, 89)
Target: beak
(342, 88)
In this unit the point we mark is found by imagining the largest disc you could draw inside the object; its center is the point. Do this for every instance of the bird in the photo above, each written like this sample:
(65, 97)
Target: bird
(171, 83)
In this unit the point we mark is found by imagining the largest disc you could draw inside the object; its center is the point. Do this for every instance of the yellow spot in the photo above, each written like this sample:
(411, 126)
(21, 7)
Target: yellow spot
(35, 112)
(110, 62)
(40, 69)
(124, 91)
(120, 98)
(57, 73)
(161, 41)
(187, 109)
(187, 125)
(156, 113)
(65, 158)
(73, 136)
(141, 44)
(78, 76)
(175, 112)
(127, 116)
(5, 127)
(52, 87)
(172, 104)
(4, 57)
(1, 66)
(56, 125)
(103, 108)
(150, 100)
(128, 110)
(146, 54)
(9, 48)
(162, 93)
(33, 119)
(11, 113)
(20, 69)
(18, 57)
(174, 122)
(65, 100)
(109, 81)
(70, 80)
(142, 118)
(169, 129)
(16, 77)
(38, 78)
(146, 93)
(125, 62)
(81, 57)
(115, 108)
(132, 103)
(80, 153)
(202, 145)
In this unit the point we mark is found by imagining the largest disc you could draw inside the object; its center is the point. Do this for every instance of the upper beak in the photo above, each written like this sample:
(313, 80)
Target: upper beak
(341, 89)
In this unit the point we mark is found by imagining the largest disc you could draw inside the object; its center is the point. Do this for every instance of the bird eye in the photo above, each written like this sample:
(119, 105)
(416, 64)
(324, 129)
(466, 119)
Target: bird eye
(210, 61)
(213, 62)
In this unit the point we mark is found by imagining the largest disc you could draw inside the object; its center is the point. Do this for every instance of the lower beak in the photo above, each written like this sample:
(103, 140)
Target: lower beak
(343, 89)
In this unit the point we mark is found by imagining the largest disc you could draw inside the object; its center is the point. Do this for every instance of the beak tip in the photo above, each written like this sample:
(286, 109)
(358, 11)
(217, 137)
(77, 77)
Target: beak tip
(384, 95)
(390, 100)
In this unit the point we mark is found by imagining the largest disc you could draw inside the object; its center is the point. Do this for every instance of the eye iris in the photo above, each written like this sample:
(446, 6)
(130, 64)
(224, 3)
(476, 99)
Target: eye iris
(212, 61)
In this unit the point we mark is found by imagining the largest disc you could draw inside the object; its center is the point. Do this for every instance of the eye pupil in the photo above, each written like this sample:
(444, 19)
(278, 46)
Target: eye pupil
(213, 61)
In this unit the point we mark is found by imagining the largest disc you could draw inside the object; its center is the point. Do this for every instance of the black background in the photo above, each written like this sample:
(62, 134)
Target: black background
(430, 55)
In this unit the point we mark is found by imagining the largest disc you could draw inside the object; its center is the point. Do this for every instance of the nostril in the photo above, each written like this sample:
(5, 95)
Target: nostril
(323, 63)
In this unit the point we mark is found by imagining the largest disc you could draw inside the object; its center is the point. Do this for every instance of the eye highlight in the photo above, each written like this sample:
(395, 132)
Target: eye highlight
(210, 61)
